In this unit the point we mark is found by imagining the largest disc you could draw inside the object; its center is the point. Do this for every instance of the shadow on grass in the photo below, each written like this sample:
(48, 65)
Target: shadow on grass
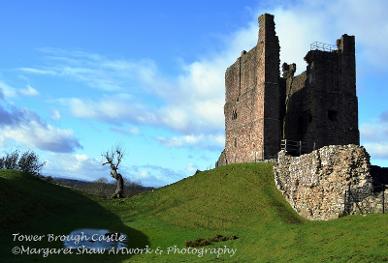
(30, 206)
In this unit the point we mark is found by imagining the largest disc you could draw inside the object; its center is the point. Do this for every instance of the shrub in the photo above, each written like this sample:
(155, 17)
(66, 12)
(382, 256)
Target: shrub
(29, 163)
(10, 160)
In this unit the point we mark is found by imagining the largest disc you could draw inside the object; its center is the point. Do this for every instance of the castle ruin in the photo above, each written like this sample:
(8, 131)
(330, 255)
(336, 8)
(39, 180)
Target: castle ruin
(318, 107)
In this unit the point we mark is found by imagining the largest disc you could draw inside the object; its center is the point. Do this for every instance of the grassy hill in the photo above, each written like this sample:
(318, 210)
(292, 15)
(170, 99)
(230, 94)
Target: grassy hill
(238, 200)
(29, 205)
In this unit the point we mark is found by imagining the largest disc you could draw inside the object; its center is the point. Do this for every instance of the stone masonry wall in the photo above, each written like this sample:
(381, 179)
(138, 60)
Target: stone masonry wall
(252, 125)
(328, 183)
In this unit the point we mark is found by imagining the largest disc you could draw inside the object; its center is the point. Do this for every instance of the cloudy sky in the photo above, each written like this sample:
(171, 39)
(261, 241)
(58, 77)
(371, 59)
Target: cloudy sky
(78, 77)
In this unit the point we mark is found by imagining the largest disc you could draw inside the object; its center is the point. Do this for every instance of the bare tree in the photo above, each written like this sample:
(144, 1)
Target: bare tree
(113, 158)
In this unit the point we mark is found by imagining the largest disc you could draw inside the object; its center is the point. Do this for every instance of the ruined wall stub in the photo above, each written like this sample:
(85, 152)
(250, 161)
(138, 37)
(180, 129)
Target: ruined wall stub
(330, 182)
(252, 125)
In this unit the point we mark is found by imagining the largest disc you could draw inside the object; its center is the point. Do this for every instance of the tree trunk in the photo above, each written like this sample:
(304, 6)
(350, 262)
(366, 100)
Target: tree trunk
(119, 192)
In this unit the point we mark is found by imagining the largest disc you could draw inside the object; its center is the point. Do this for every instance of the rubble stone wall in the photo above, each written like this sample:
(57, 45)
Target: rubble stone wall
(328, 183)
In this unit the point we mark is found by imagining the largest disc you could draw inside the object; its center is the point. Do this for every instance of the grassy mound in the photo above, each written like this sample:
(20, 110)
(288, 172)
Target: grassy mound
(237, 200)
(29, 205)
(242, 200)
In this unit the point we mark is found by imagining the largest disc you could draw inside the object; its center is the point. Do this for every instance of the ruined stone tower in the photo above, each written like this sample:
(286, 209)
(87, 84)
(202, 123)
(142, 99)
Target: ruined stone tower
(318, 107)
(252, 99)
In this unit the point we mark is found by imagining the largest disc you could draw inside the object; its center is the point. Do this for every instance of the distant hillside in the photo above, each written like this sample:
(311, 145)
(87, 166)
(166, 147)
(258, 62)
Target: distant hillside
(101, 187)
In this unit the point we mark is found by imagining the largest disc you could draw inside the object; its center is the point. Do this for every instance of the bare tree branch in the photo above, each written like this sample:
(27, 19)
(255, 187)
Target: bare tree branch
(120, 155)
(114, 158)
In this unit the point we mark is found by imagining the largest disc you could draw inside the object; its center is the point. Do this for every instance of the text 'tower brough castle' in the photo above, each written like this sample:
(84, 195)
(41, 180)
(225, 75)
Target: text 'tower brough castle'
(318, 107)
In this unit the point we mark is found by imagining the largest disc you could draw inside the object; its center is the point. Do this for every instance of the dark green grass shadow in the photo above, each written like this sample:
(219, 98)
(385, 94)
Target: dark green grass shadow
(29, 205)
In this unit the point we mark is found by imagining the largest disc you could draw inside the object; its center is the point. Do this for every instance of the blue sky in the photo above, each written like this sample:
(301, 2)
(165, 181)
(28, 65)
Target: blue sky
(78, 77)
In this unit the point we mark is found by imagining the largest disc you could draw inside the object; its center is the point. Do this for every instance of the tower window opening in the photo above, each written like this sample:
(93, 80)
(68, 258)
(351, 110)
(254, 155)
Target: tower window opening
(234, 115)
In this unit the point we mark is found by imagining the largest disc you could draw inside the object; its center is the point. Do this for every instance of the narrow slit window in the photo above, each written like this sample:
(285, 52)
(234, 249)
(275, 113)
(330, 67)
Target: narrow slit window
(234, 115)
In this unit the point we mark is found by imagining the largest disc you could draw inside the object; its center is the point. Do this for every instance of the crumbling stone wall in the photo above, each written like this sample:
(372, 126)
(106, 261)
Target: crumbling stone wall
(328, 183)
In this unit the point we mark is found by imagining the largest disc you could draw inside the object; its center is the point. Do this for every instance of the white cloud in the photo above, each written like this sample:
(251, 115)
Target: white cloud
(42, 136)
(78, 166)
(377, 150)
(300, 24)
(191, 168)
(374, 137)
(85, 167)
(55, 115)
(152, 175)
(297, 29)
(8, 91)
(193, 140)
(192, 101)
(26, 127)
(132, 130)
(175, 117)
(116, 109)
(374, 131)
(37, 71)
(29, 91)
(369, 22)
(94, 70)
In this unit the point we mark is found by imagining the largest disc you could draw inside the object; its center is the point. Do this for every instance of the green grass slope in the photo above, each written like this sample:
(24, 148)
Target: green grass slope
(239, 200)
(29, 205)
(242, 200)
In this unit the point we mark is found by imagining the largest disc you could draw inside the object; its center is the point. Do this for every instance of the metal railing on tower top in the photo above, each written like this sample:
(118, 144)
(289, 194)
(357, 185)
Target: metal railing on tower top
(322, 46)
